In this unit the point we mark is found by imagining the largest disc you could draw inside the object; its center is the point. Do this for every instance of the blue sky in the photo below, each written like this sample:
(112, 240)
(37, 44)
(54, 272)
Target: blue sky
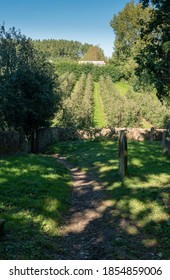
(86, 21)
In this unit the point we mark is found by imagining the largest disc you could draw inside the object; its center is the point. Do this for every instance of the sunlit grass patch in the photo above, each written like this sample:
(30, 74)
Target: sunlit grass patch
(34, 194)
(122, 87)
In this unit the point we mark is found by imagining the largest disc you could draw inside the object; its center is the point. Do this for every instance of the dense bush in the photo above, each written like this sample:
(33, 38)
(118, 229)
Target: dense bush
(96, 71)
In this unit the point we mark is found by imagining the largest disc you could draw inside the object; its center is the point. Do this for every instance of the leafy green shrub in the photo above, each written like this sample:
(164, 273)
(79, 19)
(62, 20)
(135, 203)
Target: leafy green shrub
(96, 71)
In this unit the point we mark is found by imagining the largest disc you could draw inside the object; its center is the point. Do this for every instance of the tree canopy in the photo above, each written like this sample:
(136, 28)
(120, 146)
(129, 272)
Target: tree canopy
(94, 53)
(127, 25)
(28, 85)
(154, 59)
(57, 50)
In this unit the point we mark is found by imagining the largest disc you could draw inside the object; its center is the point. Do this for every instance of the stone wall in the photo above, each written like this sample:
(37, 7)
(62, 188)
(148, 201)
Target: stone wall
(12, 142)
(65, 134)
(47, 136)
(140, 134)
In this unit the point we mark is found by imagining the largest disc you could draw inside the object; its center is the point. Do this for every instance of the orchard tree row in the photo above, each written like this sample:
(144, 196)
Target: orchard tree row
(77, 108)
(131, 109)
(134, 109)
(67, 82)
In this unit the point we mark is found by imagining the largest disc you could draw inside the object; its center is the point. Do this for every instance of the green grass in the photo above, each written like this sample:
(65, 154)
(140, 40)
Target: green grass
(145, 124)
(122, 87)
(34, 194)
(99, 120)
(140, 214)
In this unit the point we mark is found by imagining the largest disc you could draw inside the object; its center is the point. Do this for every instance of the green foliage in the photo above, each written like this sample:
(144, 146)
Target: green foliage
(28, 85)
(127, 26)
(32, 202)
(67, 82)
(56, 50)
(129, 110)
(86, 103)
(123, 87)
(96, 71)
(154, 58)
(120, 111)
(94, 53)
(78, 108)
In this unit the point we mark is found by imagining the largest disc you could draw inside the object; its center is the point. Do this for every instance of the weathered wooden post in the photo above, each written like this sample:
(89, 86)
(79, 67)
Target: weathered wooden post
(164, 135)
(166, 142)
(152, 131)
(2, 223)
(123, 154)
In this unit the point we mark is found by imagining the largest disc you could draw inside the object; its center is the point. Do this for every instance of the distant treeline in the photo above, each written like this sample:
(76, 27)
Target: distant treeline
(62, 49)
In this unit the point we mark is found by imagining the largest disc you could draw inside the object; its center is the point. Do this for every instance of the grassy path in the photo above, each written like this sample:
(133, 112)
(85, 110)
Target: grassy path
(99, 117)
(87, 232)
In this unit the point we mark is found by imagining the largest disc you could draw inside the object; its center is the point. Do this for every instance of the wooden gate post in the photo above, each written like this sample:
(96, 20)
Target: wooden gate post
(123, 154)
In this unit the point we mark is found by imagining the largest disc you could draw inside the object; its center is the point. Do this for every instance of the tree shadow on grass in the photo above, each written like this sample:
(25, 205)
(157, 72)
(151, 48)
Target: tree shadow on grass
(133, 226)
(34, 193)
(139, 215)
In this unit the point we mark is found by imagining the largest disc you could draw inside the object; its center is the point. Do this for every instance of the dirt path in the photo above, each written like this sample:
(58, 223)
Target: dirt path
(87, 232)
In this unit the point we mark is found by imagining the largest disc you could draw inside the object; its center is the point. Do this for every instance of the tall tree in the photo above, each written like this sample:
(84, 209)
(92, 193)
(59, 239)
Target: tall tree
(127, 25)
(28, 87)
(154, 59)
(94, 53)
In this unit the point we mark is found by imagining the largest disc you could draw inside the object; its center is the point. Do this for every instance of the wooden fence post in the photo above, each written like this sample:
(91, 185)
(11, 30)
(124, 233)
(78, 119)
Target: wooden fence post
(2, 223)
(164, 135)
(123, 154)
(166, 142)
(152, 131)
